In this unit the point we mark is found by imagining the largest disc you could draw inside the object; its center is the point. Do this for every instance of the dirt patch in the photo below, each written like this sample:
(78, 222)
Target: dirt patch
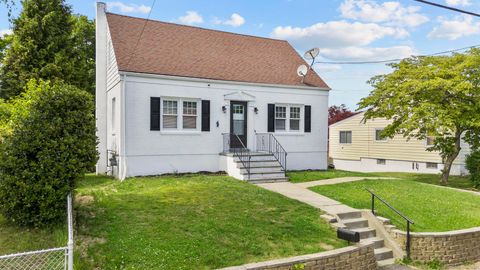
(326, 246)
(84, 199)
(84, 242)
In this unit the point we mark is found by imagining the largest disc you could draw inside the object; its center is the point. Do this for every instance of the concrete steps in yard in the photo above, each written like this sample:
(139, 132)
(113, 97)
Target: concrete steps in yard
(354, 221)
(264, 168)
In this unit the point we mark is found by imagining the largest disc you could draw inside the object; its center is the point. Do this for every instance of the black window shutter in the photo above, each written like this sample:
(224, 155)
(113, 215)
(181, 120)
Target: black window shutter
(271, 118)
(205, 115)
(154, 113)
(308, 118)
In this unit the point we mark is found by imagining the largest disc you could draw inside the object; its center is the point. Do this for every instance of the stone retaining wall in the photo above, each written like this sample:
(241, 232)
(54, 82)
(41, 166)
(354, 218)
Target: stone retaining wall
(360, 257)
(451, 248)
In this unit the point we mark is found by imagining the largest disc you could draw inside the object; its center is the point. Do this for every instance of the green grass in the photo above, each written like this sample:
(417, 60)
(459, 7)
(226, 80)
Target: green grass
(15, 239)
(191, 222)
(305, 176)
(432, 208)
(462, 182)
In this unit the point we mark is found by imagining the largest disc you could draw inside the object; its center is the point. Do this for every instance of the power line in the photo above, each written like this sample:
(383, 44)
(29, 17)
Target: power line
(450, 8)
(391, 60)
(141, 34)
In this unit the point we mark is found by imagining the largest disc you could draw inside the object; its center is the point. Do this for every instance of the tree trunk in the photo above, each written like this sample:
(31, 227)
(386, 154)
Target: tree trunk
(451, 158)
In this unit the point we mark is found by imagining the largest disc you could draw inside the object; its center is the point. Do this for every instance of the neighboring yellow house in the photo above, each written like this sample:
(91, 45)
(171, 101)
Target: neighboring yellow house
(355, 146)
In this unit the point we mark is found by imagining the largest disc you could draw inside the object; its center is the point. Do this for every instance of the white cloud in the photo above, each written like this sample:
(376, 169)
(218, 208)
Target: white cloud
(4, 32)
(366, 53)
(235, 20)
(192, 17)
(391, 13)
(458, 2)
(459, 26)
(334, 34)
(128, 8)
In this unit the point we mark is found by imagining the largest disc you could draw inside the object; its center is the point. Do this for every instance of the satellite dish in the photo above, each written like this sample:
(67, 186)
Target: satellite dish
(302, 70)
(312, 53)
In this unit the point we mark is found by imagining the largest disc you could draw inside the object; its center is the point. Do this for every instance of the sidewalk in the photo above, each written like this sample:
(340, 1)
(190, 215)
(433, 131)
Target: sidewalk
(300, 192)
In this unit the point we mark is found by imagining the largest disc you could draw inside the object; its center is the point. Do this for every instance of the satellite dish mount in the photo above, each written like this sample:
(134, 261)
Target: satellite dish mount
(311, 54)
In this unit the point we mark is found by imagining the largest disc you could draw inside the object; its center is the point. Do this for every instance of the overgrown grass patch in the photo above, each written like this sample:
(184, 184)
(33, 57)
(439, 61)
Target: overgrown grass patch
(432, 208)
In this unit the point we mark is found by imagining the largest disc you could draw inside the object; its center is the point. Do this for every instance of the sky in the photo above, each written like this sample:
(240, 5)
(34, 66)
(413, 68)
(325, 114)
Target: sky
(344, 30)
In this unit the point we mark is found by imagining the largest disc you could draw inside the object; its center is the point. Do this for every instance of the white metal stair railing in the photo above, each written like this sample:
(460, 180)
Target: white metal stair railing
(46, 259)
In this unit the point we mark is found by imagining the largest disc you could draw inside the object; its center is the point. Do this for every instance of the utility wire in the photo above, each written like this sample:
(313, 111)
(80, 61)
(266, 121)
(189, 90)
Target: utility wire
(392, 60)
(141, 34)
(447, 7)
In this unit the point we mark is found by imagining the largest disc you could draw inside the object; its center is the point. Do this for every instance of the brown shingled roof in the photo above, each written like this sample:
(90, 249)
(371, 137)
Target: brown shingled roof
(186, 51)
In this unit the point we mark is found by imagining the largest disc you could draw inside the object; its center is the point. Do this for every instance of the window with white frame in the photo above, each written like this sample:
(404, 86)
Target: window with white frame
(189, 115)
(295, 118)
(170, 114)
(431, 165)
(430, 140)
(378, 135)
(280, 118)
(381, 161)
(180, 114)
(288, 118)
(113, 114)
(345, 137)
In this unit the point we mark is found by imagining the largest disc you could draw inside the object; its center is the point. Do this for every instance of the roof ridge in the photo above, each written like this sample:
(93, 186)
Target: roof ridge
(197, 27)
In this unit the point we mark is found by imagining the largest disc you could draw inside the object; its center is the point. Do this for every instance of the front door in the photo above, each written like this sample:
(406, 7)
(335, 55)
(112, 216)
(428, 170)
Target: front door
(238, 124)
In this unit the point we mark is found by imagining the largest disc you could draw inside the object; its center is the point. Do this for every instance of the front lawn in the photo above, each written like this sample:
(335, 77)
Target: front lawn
(432, 208)
(305, 176)
(191, 222)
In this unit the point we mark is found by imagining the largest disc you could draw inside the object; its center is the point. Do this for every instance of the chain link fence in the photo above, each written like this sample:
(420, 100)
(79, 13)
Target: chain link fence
(48, 259)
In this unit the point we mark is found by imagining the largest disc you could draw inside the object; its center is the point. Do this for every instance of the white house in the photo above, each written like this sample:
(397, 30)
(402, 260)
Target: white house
(174, 98)
(358, 146)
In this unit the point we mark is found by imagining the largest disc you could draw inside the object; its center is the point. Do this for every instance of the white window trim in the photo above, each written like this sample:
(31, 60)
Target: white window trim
(375, 136)
(426, 142)
(180, 128)
(287, 130)
(351, 137)
(113, 111)
(431, 168)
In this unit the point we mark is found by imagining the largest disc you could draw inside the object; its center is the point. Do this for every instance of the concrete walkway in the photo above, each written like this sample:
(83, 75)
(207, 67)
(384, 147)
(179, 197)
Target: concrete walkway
(300, 192)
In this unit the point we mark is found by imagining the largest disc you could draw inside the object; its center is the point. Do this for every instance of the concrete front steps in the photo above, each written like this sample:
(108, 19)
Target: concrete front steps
(356, 222)
(264, 168)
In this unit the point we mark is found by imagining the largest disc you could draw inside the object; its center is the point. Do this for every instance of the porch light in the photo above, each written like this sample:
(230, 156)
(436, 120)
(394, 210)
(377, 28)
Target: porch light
(224, 109)
(255, 110)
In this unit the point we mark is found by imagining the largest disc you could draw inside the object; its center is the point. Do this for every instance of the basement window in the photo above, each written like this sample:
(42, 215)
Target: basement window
(431, 165)
(381, 161)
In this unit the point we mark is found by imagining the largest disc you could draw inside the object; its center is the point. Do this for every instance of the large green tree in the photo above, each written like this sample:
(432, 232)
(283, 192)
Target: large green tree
(435, 96)
(50, 43)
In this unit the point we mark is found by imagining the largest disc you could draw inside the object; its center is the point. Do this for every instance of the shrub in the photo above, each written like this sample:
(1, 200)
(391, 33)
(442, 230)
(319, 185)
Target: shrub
(472, 163)
(48, 144)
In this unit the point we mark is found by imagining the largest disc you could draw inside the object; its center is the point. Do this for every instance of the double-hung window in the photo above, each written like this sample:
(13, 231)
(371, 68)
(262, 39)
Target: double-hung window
(189, 115)
(170, 114)
(180, 114)
(280, 118)
(295, 118)
(345, 137)
(287, 118)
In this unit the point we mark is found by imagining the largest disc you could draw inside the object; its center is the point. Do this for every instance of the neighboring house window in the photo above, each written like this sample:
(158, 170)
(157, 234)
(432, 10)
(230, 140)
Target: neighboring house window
(280, 118)
(378, 136)
(381, 161)
(345, 137)
(170, 109)
(431, 165)
(430, 140)
(189, 114)
(295, 118)
(113, 114)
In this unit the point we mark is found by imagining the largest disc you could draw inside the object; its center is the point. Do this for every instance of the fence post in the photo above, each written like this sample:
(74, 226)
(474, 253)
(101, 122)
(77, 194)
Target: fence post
(70, 232)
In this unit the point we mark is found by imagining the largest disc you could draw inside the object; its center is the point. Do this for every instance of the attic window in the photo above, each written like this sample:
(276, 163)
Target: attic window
(345, 137)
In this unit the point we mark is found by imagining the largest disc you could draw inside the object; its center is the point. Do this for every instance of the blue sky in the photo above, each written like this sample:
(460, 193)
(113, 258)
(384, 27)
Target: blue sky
(344, 30)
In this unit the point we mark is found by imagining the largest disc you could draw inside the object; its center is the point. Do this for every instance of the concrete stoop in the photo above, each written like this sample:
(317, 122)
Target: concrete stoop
(264, 168)
(370, 229)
